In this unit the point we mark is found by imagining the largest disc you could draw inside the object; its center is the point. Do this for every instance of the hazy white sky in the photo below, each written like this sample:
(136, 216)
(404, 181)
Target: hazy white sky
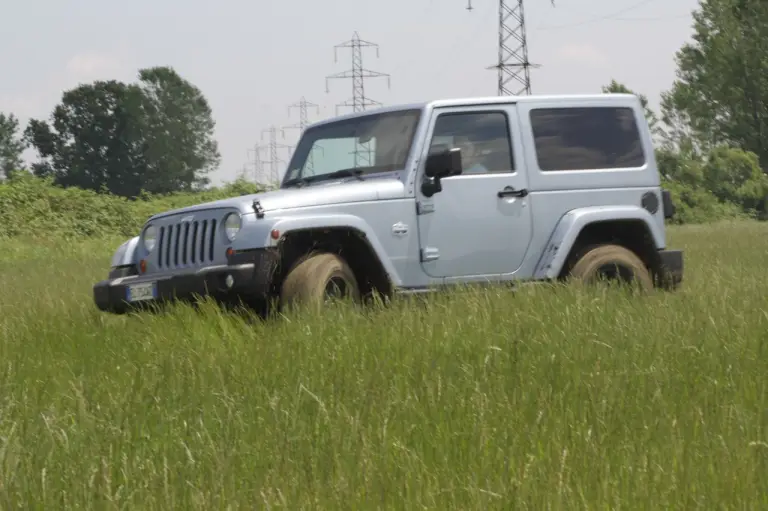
(253, 58)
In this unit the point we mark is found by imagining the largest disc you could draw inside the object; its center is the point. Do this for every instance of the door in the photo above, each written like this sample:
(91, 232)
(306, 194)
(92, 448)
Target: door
(479, 225)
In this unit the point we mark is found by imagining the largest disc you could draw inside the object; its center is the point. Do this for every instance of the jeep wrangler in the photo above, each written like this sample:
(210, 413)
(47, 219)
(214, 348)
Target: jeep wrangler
(412, 198)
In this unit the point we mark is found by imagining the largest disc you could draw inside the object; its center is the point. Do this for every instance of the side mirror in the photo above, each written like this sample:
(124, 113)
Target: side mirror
(439, 165)
(444, 164)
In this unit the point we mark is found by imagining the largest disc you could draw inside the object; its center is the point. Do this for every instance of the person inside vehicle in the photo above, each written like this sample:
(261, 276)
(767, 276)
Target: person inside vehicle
(471, 155)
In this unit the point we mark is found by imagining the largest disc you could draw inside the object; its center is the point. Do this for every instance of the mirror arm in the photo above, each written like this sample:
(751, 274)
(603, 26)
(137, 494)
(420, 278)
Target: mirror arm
(431, 186)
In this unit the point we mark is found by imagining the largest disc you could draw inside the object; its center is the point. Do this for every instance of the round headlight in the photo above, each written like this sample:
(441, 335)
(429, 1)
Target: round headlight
(232, 226)
(150, 238)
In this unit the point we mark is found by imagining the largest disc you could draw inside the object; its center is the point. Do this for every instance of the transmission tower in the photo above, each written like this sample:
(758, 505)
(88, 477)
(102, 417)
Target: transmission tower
(273, 146)
(303, 105)
(258, 165)
(359, 101)
(513, 65)
(358, 74)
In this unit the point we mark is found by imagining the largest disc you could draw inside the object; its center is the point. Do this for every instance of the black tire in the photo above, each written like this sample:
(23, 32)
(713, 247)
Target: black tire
(611, 262)
(314, 279)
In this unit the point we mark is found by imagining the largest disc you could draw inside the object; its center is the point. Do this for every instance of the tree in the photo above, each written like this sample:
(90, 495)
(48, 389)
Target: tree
(153, 136)
(180, 147)
(733, 175)
(11, 145)
(720, 95)
(94, 140)
(650, 115)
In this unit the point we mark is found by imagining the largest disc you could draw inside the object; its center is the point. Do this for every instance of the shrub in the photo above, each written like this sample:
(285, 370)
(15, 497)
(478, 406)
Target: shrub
(33, 207)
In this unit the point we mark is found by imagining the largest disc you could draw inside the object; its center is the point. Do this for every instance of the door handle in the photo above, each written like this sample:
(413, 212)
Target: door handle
(508, 191)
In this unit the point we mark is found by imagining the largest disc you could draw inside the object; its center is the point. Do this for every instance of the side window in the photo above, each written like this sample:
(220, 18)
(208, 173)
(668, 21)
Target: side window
(587, 138)
(483, 138)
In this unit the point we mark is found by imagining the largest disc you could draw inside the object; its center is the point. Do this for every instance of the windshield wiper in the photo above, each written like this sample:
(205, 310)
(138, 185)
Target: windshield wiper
(347, 173)
(304, 181)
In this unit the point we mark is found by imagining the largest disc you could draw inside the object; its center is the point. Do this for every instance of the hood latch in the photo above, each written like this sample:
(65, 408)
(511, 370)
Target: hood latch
(258, 208)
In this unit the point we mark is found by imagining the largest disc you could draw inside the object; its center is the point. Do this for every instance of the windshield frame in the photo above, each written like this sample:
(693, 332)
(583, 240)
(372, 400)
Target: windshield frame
(302, 149)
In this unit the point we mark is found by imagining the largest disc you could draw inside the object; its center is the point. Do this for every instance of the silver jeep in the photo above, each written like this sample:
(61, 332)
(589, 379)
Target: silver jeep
(412, 198)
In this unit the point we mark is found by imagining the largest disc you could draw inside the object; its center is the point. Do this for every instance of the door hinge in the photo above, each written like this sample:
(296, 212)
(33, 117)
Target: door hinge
(429, 254)
(424, 208)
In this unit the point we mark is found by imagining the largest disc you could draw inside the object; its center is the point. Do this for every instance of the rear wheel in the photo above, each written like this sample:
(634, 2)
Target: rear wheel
(317, 280)
(612, 263)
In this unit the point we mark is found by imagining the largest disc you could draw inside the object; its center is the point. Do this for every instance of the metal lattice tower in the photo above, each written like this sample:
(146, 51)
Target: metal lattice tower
(258, 165)
(359, 101)
(513, 65)
(358, 74)
(303, 105)
(274, 156)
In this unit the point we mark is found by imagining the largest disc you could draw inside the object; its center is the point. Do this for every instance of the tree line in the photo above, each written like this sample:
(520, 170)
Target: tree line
(156, 135)
(153, 136)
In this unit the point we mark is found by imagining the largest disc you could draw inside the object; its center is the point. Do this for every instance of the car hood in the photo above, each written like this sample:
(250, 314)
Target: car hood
(320, 194)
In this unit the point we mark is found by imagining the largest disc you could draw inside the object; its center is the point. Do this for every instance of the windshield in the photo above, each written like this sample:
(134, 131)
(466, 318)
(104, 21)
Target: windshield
(358, 146)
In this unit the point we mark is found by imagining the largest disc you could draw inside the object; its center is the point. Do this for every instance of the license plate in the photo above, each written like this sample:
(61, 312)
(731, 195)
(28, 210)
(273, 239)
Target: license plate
(139, 292)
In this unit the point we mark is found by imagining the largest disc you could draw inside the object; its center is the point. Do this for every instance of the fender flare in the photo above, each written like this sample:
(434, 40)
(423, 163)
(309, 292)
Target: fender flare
(319, 222)
(571, 224)
(124, 255)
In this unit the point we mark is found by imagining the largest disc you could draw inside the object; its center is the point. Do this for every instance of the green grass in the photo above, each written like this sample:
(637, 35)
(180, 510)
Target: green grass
(539, 399)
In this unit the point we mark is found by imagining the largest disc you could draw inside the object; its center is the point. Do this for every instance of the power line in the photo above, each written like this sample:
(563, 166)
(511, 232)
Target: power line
(612, 16)
(358, 74)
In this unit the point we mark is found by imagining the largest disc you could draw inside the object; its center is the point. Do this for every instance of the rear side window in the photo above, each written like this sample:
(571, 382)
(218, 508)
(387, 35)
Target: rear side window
(586, 138)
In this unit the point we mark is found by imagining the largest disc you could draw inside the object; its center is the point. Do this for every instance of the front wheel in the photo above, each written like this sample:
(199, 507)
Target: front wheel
(319, 279)
(612, 262)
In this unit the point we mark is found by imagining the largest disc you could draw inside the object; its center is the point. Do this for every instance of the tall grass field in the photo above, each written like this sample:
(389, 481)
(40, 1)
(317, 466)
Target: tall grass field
(540, 398)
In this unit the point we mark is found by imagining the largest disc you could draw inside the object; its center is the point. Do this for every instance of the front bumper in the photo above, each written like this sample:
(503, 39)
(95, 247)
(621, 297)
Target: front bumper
(249, 274)
(670, 268)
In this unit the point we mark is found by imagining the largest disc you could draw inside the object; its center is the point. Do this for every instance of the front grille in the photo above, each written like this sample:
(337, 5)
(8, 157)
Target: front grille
(186, 244)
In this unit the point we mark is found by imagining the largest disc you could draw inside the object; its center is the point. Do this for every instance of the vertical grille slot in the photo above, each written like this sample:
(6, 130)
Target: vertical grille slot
(176, 238)
(202, 240)
(193, 244)
(160, 247)
(168, 247)
(185, 244)
(213, 238)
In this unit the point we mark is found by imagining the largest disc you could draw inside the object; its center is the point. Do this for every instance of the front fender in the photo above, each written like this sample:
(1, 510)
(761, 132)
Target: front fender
(296, 223)
(571, 224)
(124, 255)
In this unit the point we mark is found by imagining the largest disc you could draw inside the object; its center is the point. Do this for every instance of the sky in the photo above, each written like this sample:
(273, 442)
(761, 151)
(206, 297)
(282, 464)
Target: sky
(254, 58)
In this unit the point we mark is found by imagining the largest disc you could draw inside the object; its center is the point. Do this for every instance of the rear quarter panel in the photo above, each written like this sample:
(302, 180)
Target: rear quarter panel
(554, 193)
